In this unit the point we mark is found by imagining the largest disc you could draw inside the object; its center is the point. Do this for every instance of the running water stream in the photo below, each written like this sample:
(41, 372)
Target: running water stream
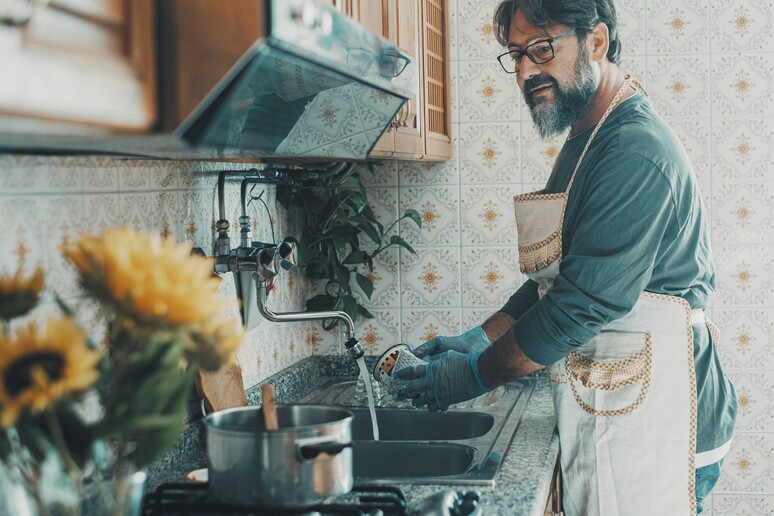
(370, 392)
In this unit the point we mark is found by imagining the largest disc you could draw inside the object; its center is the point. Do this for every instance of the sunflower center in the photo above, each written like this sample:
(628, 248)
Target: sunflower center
(18, 376)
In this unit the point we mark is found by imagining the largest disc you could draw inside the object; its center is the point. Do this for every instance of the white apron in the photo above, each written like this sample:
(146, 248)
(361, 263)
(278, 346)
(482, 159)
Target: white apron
(626, 400)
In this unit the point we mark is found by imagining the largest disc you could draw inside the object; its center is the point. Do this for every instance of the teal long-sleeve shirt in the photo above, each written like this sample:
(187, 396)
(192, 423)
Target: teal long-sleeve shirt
(634, 221)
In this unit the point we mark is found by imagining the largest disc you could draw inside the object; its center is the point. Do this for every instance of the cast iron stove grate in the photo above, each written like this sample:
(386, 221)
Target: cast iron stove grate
(178, 499)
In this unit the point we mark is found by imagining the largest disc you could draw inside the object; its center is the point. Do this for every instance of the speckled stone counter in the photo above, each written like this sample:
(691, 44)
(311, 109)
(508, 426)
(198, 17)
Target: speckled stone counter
(522, 484)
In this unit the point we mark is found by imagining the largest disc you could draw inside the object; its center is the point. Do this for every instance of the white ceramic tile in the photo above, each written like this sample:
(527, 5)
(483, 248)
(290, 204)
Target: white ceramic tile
(475, 37)
(490, 275)
(743, 85)
(386, 280)
(755, 398)
(694, 135)
(23, 226)
(637, 67)
(743, 212)
(421, 325)
(487, 93)
(679, 86)
(742, 505)
(746, 337)
(742, 149)
(427, 173)
(380, 333)
(197, 218)
(97, 179)
(749, 464)
(472, 317)
(487, 216)
(439, 209)
(739, 25)
(537, 155)
(381, 174)
(134, 176)
(632, 28)
(490, 153)
(430, 278)
(678, 26)
(20, 180)
(744, 275)
(67, 221)
(384, 202)
(453, 14)
(163, 176)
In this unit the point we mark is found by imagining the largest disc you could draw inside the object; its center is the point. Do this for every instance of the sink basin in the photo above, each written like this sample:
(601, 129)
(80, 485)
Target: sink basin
(390, 459)
(464, 445)
(414, 425)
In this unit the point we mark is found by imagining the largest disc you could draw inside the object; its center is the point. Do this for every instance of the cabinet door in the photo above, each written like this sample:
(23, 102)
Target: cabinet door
(89, 64)
(437, 85)
(404, 25)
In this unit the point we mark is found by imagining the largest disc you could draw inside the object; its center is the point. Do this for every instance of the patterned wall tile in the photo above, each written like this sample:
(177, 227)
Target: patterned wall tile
(742, 149)
(430, 278)
(537, 155)
(490, 153)
(742, 505)
(60, 174)
(743, 85)
(637, 67)
(439, 209)
(487, 215)
(23, 180)
(380, 333)
(746, 337)
(136, 176)
(425, 173)
(632, 28)
(749, 465)
(97, 178)
(383, 174)
(679, 86)
(23, 226)
(419, 326)
(384, 202)
(755, 396)
(743, 212)
(678, 26)
(741, 25)
(489, 275)
(744, 275)
(472, 317)
(475, 38)
(487, 93)
(66, 221)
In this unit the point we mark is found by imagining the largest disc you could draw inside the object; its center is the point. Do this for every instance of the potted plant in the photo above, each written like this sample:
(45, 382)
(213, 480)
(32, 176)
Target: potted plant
(342, 237)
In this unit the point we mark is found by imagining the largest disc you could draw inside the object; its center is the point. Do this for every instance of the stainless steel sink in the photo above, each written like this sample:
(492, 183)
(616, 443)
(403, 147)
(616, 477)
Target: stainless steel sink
(465, 445)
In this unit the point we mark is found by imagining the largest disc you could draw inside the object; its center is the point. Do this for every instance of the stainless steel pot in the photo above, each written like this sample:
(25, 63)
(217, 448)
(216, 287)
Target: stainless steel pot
(307, 460)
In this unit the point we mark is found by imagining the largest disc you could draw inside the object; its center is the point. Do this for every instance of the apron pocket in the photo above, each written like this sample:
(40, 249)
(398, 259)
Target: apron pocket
(610, 375)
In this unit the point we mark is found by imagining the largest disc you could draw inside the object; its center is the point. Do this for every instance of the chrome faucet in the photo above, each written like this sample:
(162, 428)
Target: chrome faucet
(265, 261)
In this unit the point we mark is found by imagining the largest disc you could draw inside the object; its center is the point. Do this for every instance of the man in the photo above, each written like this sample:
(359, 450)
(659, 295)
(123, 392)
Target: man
(618, 255)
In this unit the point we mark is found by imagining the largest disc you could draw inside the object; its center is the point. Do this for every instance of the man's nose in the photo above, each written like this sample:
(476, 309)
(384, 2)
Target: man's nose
(528, 69)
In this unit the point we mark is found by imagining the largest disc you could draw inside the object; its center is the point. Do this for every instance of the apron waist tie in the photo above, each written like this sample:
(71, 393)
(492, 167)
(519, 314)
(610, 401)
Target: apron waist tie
(698, 317)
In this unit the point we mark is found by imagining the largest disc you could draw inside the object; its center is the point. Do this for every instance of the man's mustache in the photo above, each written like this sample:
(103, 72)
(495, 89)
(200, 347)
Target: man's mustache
(536, 82)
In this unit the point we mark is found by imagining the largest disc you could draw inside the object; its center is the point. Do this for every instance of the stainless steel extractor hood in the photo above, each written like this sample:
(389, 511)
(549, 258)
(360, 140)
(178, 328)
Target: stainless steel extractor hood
(315, 85)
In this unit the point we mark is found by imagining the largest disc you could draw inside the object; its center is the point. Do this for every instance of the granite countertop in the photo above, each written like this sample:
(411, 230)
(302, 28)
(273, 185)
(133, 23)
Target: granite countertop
(522, 484)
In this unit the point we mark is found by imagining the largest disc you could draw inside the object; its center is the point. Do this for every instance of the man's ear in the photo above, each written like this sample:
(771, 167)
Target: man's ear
(599, 42)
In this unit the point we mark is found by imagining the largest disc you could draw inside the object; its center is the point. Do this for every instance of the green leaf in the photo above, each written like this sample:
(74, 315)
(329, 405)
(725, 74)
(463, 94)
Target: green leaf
(368, 213)
(369, 230)
(340, 245)
(354, 182)
(365, 283)
(415, 216)
(396, 240)
(321, 302)
(363, 312)
(350, 306)
(64, 307)
(355, 257)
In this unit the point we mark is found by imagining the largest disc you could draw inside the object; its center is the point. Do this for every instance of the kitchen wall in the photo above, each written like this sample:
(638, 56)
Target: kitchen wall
(709, 69)
(46, 201)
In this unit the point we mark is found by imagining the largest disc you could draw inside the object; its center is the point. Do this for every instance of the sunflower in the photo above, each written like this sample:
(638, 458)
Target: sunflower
(39, 366)
(214, 343)
(19, 294)
(152, 280)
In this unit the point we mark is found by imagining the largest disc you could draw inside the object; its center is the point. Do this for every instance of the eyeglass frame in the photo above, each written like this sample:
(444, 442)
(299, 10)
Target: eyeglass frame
(525, 52)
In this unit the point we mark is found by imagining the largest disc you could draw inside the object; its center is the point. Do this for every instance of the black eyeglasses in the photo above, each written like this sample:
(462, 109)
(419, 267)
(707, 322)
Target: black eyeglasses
(539, 52)
(391, 62)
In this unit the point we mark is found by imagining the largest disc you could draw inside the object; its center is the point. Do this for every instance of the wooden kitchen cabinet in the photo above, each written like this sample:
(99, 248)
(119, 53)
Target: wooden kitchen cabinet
(86, 64)
(422, 129)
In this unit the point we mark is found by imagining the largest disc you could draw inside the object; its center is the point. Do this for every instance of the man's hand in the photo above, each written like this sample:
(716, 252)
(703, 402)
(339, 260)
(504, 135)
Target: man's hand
(472, 341)
(447, 379)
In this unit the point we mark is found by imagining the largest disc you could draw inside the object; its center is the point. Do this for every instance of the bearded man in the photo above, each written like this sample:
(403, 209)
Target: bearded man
(617, 251)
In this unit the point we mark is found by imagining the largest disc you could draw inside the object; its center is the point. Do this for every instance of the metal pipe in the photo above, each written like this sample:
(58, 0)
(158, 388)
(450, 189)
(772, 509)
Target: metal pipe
(352, 345)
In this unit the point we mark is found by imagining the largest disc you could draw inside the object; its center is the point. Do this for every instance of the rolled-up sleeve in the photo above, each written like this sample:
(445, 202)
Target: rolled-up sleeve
(614, 234)
(521, 300)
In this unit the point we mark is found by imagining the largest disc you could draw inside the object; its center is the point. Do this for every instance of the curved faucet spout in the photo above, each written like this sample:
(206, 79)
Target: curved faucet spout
(353, 347)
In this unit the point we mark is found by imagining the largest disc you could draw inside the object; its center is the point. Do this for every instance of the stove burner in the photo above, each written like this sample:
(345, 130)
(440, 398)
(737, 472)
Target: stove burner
(184, 498)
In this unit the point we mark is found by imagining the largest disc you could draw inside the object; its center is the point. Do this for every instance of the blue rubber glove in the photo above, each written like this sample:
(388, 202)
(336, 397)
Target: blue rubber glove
(449, 378)
(472, 341)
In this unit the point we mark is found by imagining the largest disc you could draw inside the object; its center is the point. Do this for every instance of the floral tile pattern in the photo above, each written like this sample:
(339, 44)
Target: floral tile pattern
(490, 153)
(746, 337)
(680, 86)
(749, 464)
(487, 93)
(743, 149)
(489, 276)
(745, 86)
(430, 278)
(728, 505)
(487, 216)
(438, 208)
(741, 25)
(755, 396)
(419, 326)
(744, 275)
(380, 333)
(680, 26)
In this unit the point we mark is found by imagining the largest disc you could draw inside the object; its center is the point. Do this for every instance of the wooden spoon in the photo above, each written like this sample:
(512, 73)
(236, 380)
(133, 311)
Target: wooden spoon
(269, 406)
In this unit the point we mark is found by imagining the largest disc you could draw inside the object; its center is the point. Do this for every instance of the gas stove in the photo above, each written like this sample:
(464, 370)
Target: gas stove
(178, 499)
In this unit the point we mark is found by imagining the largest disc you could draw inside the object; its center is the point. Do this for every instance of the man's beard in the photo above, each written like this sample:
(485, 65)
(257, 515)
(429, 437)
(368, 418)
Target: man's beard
(569, 103)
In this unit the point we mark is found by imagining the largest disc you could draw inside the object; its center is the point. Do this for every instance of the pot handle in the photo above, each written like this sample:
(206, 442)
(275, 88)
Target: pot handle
(308, 449)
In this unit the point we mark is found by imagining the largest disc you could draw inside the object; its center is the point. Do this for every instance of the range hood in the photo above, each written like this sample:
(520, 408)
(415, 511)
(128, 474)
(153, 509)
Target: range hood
(314, 85)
